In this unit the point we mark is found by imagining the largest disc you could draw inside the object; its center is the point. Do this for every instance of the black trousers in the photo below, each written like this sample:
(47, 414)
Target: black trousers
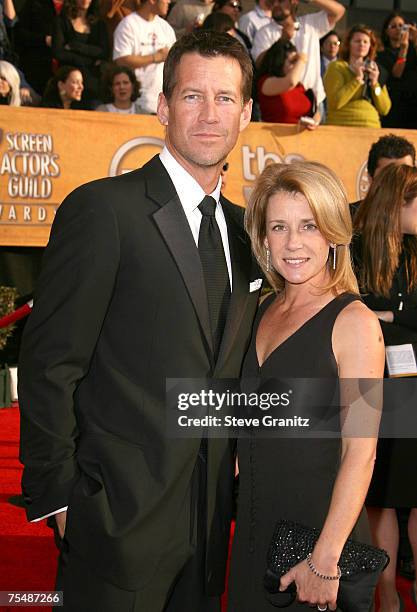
(85, 591)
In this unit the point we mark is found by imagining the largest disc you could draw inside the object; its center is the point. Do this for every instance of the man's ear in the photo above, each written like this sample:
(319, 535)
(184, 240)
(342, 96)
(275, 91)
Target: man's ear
(162, 109)
(245, 115)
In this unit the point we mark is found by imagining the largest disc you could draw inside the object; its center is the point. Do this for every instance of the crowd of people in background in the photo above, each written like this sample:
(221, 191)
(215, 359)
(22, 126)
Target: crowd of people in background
(316, 75)
(82, 54)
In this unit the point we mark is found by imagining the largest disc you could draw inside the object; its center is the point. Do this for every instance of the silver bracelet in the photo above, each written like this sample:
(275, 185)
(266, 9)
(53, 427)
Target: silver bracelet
(318, 574)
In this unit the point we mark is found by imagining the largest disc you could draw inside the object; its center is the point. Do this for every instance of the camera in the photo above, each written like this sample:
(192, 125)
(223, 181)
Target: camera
(405, 27)
(367, 64)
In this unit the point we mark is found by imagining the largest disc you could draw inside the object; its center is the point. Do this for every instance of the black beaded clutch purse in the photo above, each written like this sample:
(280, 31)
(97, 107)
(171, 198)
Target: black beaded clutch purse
(360, 565)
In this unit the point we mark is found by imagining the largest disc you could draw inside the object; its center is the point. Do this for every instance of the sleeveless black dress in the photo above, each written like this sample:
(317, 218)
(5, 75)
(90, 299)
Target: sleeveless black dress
(284, 478)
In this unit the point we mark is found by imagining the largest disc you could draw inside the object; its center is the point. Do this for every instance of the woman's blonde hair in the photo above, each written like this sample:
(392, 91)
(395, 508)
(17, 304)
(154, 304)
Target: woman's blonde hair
(9, 72)
(328, 202)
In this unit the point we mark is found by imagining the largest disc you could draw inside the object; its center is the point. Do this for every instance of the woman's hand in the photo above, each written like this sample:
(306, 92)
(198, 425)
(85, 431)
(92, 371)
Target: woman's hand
(404, 42)
(412, 33)
(385, 315)
(316, 118)
(25, 95)
(310, 588)
(302, 57)
(358, 69)
(373, 73)
(61, 521)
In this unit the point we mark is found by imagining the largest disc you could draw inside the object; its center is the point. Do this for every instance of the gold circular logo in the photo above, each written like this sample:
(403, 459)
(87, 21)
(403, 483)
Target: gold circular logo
(134, 153)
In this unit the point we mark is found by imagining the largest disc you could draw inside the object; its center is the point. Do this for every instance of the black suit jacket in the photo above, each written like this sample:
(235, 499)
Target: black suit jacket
(120, 306)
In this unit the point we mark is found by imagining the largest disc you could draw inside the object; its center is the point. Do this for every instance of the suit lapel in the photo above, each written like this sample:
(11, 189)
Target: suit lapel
(173, 225)
(240, 254)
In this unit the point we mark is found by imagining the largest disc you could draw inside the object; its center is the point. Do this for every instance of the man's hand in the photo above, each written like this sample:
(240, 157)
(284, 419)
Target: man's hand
(161, 55)
(288, 28)
(61, 520)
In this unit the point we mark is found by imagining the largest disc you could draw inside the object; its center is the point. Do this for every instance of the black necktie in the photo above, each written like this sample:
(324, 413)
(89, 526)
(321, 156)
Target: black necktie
(216, 276)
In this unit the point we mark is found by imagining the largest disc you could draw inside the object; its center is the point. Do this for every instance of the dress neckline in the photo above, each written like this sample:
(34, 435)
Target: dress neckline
(299, 329)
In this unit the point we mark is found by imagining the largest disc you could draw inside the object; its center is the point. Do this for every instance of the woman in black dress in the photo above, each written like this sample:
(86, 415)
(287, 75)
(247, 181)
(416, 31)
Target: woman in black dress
(385, 253)
(313, 326)
(399, 60)
(80, 39)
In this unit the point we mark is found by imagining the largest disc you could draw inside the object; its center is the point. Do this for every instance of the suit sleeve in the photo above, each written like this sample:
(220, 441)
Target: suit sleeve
(73, 293)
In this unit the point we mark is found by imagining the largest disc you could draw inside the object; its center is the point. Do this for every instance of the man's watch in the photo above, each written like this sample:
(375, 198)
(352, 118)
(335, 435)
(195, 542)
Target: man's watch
(377, 90)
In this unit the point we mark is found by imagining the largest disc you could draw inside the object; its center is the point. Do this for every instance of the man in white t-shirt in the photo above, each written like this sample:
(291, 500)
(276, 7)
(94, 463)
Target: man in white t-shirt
(257, 18)
(141, 42)
(306, 38)
(189, 14)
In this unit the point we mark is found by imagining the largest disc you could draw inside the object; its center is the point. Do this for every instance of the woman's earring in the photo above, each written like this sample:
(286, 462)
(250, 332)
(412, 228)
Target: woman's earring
(268, 260)
(334, 247)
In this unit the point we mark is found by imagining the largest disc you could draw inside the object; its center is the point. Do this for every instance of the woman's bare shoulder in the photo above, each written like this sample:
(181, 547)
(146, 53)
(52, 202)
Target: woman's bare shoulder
(358, 343)
(355, 317)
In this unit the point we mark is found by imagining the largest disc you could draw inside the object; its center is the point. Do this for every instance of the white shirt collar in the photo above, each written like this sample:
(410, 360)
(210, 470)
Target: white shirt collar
(189, 191)
(260, 12)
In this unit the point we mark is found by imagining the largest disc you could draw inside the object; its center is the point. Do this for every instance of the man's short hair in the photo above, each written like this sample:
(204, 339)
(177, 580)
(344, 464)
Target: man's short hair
(391, 147)
(208, 44)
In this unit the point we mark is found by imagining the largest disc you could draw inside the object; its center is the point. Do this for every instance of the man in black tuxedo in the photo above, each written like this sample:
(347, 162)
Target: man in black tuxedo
(125, 300)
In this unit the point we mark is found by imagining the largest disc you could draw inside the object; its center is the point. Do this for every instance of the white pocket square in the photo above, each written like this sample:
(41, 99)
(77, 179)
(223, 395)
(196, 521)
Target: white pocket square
(255, 285)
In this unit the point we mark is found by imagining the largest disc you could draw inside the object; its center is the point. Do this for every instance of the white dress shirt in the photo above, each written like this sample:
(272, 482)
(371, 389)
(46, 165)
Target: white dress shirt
(253, 21)
(190, 195)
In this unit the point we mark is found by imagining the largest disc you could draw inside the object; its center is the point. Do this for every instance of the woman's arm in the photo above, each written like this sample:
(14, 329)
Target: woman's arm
(359, 350)
(273, 86)
(380, 96)
(9, 12)
(98, 48)
(399, 66)
(60, 45)
(339, 92)
(382, 101)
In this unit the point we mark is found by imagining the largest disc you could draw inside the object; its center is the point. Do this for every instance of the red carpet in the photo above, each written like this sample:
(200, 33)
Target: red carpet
(27, 550)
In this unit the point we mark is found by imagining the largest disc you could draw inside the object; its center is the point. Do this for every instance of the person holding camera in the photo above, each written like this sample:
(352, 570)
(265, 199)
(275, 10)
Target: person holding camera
(399, 59)
(281, 96)
(355, 96)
